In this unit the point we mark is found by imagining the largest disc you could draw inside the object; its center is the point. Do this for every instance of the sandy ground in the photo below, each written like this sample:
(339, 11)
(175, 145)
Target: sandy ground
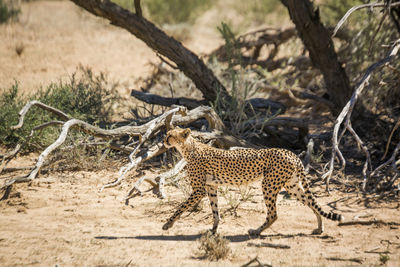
(58, 36)
(61, 219)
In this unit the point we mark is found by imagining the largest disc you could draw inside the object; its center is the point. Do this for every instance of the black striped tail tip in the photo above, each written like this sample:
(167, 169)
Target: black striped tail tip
(335, 217)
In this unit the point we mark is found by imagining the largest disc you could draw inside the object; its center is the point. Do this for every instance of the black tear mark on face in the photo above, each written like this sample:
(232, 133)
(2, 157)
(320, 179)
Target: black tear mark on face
(166, 140)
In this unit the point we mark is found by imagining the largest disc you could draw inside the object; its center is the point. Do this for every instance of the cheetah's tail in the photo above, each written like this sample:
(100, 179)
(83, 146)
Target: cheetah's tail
(329, 215)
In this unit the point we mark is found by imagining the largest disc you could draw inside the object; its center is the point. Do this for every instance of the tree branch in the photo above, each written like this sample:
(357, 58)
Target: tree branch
(186, 61)
(317, 40)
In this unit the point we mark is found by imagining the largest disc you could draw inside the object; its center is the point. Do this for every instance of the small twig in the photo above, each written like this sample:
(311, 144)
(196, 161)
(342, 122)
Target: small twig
(391, 182)
(305, 95)
(389, 161)
(308, 158)
(167, 62)
(378, 252)
(366, 152)
(390, 139)
(7, 192)
(267, 245)
(371, 222)
(358, 260)
(372, 250)
(42, 170)
(138, 8)
(15, 169)
(5, 158)
(259, 264)
(375, 250)
(354, 8)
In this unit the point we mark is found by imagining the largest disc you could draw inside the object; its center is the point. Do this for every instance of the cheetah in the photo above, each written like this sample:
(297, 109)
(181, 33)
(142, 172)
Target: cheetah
(210, 167)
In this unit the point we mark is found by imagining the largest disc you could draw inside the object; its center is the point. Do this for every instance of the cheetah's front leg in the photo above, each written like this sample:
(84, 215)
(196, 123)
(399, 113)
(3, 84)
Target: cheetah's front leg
(195, 197)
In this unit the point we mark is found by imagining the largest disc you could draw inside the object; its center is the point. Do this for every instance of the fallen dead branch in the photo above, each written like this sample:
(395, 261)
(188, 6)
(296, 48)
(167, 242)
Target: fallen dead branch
(267, 245)
(345, 115)
(254, 104)
(167, 101)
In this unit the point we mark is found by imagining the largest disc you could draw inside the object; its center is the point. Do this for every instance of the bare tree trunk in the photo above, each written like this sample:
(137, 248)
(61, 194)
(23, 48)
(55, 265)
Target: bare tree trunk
(318, 42)
(186, 61)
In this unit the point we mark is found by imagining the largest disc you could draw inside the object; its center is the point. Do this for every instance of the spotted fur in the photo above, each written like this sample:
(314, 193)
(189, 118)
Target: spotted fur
(210, 167)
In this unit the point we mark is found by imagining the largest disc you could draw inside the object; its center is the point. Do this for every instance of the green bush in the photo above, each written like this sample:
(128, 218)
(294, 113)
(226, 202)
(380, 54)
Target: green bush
(175, 11)
(10, 105)
(85, 96)
(259, 11)
(169, 12)
(8, 11)
(333, 10)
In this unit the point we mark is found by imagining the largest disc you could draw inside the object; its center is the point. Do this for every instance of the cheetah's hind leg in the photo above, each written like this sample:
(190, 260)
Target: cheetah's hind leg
(299, 188)
(270, 192)
(212, 195)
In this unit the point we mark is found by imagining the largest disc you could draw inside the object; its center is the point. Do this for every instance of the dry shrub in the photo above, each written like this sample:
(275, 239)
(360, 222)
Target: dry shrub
(215, 247)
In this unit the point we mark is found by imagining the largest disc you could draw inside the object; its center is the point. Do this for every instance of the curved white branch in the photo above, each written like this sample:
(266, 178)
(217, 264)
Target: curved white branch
(347, 110)
(354, 8)
(30, 104)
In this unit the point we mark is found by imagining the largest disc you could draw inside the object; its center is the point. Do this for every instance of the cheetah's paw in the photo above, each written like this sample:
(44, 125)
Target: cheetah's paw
(317, 231)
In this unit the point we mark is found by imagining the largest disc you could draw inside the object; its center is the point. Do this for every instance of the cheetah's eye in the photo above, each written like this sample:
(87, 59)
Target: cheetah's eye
(186, 133)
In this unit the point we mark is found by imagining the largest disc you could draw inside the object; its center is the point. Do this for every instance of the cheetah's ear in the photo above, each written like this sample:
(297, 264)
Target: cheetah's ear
(186, 133)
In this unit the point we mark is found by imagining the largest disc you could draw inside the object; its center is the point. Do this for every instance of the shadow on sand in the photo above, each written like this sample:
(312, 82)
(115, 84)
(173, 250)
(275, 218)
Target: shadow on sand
(231, 238)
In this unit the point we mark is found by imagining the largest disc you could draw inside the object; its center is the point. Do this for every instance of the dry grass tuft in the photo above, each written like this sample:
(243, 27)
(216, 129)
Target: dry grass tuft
(215, 247)
(19, 48)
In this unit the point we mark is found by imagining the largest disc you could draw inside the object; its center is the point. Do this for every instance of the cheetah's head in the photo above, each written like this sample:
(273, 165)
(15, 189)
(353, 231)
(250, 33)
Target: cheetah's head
(176, 137)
